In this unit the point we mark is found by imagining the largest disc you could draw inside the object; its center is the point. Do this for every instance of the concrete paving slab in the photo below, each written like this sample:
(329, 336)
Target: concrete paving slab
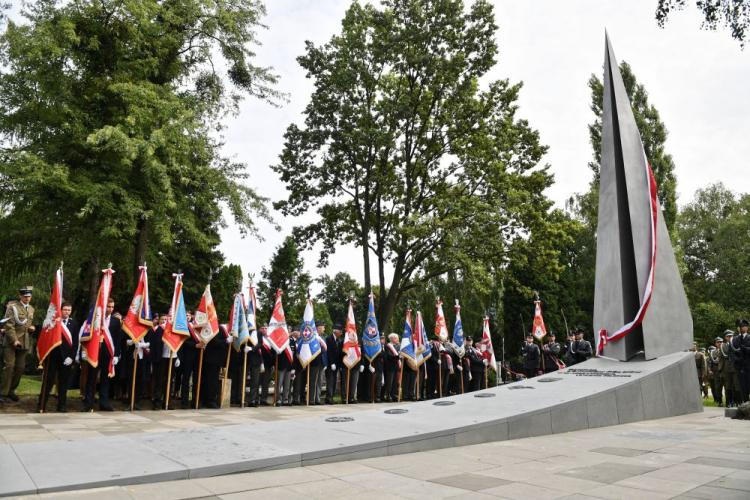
(471, 482)
(14, 480)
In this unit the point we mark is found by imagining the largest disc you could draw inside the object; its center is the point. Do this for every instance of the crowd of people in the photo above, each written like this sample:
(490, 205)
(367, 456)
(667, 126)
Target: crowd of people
(724, 367)
(148, 374)
(553, 356)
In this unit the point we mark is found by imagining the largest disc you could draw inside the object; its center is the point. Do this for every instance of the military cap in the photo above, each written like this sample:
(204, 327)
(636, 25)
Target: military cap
(718, 339)
(728, 333)
(26, 291)
(744, 322)
(338, 326)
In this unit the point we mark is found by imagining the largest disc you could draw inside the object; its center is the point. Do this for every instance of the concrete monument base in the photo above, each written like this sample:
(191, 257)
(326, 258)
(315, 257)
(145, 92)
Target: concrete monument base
(596, 393)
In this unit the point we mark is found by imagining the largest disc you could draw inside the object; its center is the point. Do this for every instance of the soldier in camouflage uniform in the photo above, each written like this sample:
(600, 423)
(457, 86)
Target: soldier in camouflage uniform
(714, 374)
(18, 327)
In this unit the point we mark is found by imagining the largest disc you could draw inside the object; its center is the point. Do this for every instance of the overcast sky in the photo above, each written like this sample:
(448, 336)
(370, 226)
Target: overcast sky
(698, 80)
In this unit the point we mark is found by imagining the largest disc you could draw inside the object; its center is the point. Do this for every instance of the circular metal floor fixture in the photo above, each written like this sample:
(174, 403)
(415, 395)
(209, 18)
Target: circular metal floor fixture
(396, 411)
(485, 395)
(520, 387)
(549, 379)
(339, 419)
(444, 403)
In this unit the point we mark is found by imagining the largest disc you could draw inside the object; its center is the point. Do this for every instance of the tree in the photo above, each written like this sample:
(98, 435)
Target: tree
(335, 295)
(713, 231)
(285, 272)
(732, 14)
(225, 283)
(109, 145)
(406, 155)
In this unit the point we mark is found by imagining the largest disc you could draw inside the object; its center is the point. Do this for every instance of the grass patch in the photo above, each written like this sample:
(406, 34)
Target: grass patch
(30, 385)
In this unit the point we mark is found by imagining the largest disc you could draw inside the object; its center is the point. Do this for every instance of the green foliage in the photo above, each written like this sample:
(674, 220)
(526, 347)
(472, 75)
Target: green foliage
(406, 155)
(335, 294)
(713, 231)
(225, 283)
(732, 14)
(110, 150)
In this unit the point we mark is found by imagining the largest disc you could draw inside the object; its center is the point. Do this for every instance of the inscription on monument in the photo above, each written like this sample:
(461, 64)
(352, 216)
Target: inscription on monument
(593, 372)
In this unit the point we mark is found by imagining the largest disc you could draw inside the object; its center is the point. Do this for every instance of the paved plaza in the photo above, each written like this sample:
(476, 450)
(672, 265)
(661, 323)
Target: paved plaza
(701, 455)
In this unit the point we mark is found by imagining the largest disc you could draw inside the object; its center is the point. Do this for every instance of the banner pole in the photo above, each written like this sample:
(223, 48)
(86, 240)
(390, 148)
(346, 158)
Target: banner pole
(133, 378)
(348, 374)
(200, 377)
(440, 376)
(226, 373)
(307, 387)
(42, 395)
(372, 384)
(275, 379)
(461, 360)
(400, 378)
(244, 380)
(169, 379)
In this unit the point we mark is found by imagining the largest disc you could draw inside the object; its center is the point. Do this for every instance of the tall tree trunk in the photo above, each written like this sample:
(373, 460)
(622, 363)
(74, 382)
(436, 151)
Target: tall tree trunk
(366, 258)
(391, 298)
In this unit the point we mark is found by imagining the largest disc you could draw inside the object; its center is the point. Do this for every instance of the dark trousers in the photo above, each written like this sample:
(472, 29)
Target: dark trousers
(731, 388)
(254, 384)
(391, 383)
(745, 382)
(189, 373)
(235, 373)
(530, 372)
(408, 384)
(331, 380)
(210, 384)
(373, 383)
(57, 374)
(265, 382)
(142, 371)
(717, 387)
(102, 373)
(161, 372)
(314, 380)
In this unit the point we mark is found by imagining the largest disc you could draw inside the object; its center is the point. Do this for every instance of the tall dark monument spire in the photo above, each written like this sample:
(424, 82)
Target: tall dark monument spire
(639, 301)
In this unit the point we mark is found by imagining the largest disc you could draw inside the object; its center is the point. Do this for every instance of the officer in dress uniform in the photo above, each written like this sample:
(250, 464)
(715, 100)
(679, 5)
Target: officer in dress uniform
(728, 369)
(531, 357)
(391, 365)
(269, 363)
(714, 373)
(583, 349)
(188, 355)
(476, 365)
(300, 380)
(255, 367)
(59, 362)
(551, 353)
(742, 342)
(569, 354)
(18, 327)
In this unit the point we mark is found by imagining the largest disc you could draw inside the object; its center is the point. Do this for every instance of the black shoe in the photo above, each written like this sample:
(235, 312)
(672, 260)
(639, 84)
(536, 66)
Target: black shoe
(377, 400)
(264, 403)
(184, 406)
(212, 406)
(87, 409)
(62, 409)
(156, 405)
(105, 407)
(13, 397)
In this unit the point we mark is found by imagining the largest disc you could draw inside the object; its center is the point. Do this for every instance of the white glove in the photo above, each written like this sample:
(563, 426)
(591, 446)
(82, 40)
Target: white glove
(460, 368)
(176, 362)
(361, 368)
(115, 360)
(262, 368)
(144, 345)
(230, 339)
(83, 354)
(129, 342)
(372, 369)
(294, 371)
(333, 366)
(485, 362)
(440, 362)
(68, 361)
(325, 367)
(470, 377)
(248, 349)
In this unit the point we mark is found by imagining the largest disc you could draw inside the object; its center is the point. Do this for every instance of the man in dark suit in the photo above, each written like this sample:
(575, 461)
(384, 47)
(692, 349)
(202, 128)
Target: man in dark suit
(391, 365)
(531, 357)
(112, 320)
(188, 355)
(255, 366)
(742, 343)
(214, 358)
(334, 357)
(269, 361)
(60, 360)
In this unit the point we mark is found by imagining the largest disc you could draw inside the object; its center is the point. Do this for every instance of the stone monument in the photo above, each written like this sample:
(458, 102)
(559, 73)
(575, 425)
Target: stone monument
(639, 302)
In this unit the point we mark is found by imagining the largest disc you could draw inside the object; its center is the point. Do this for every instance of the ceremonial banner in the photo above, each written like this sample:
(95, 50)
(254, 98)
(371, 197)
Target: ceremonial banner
(309, 347)
(278, 334)
(371, 335)
(252, 308)
(441, 330)
(238, 323)
(177, 329)
(206, 319)
(538, 330)
(138, 321)
(424, 351)
(408, 347)
(485, 347)
(458, 333)
(97, 330)
(352, 352)
(53, 331)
